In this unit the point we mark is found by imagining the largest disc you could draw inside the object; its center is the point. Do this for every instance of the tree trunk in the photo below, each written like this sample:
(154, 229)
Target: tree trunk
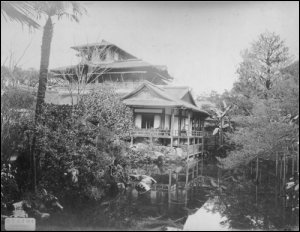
(257, 169)
(45, 56)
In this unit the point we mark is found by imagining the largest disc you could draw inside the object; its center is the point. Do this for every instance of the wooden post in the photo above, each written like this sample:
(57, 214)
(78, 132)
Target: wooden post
(189, 124)
(256, 177)
(280, 171)
(276, 164)
(187, 173)
(203, 136)
(177, 186)
(260, 174)
(284, 167)
(131, 140)
(179, 124)
(170, 184)
(197, 172)
(298, 156)
(172, 127)
(163, 118)
(193, 174)
(293, 165)
(202, 169)
(256, 194)
(188, 149)
(287, 161)
(193, 144)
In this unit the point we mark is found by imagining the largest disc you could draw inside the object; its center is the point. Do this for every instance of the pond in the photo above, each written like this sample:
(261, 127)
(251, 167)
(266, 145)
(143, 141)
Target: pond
(233, 206)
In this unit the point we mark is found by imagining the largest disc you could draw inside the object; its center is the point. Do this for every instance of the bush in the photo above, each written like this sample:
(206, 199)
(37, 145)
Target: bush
(9, 187)
(87, 137)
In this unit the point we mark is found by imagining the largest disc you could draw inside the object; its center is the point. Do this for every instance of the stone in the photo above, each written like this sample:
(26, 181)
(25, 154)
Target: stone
(179, 152)
(157, 154)
(141, 147)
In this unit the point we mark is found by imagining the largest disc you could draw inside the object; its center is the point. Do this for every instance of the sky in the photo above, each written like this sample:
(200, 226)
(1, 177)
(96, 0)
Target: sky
(199, 42)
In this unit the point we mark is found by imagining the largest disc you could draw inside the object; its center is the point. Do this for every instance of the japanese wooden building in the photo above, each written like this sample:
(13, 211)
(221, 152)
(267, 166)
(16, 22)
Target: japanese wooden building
(105, 63)
(168, 113)
(161, 111)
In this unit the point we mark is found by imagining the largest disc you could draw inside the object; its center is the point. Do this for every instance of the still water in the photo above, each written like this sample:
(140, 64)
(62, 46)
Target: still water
(236, 206)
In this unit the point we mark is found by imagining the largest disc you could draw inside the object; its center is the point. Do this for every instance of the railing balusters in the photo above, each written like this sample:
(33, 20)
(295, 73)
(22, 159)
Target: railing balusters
(162, 132)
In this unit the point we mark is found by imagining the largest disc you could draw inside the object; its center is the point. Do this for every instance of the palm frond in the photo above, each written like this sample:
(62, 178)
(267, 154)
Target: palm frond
(21, 12)
(70, 9)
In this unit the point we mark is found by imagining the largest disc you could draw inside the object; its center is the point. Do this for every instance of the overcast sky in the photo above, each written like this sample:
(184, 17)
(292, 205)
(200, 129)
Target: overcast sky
(199, 42)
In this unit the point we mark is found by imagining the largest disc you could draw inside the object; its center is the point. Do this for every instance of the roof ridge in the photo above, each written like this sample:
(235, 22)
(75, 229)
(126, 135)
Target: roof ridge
(165, 95)
(178, 87)
(94, 44)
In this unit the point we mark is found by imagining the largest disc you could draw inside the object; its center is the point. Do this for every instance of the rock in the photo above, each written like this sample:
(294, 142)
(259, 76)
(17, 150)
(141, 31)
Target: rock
(157, 154)
(179, 152)
(121, 186)
(178, 169)
(20, 213)
(148, 180)
(142, 187)
(45, 215)
(141, 147)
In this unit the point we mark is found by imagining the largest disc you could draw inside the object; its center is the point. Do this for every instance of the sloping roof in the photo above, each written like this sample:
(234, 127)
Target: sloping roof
(132, 63)
(103, 43)
(115, 66)
(166, 99)
(177, 91)
(98, 44)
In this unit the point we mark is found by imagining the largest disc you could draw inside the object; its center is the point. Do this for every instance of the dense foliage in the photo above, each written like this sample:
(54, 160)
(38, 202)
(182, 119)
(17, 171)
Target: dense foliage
(87, 138)
(265, 103)
(81, 150)
(16, 113)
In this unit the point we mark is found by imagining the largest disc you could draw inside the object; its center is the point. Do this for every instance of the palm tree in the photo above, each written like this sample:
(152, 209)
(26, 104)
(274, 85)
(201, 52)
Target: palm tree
(22, 12)
(71, 10)
(49, 9)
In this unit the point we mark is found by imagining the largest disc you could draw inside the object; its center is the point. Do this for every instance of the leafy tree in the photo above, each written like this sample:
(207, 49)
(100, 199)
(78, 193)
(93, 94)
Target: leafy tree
(261, 64)
(88, 137)
(104, 107)
(266, 100)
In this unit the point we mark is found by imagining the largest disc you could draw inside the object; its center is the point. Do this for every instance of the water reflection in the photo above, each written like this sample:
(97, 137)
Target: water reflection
(241, 206)
(206, 219)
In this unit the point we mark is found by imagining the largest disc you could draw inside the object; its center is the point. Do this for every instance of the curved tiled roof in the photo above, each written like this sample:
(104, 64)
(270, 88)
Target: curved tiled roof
(166, 99)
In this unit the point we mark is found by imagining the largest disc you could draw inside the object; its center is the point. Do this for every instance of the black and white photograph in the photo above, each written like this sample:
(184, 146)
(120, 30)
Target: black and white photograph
(149, 116)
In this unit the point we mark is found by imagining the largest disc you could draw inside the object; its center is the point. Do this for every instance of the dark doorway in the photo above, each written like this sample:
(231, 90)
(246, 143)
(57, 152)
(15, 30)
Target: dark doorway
(147, 121)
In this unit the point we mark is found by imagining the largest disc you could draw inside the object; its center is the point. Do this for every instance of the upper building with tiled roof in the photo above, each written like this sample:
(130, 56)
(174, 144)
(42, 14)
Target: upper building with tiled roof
(106, 62)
